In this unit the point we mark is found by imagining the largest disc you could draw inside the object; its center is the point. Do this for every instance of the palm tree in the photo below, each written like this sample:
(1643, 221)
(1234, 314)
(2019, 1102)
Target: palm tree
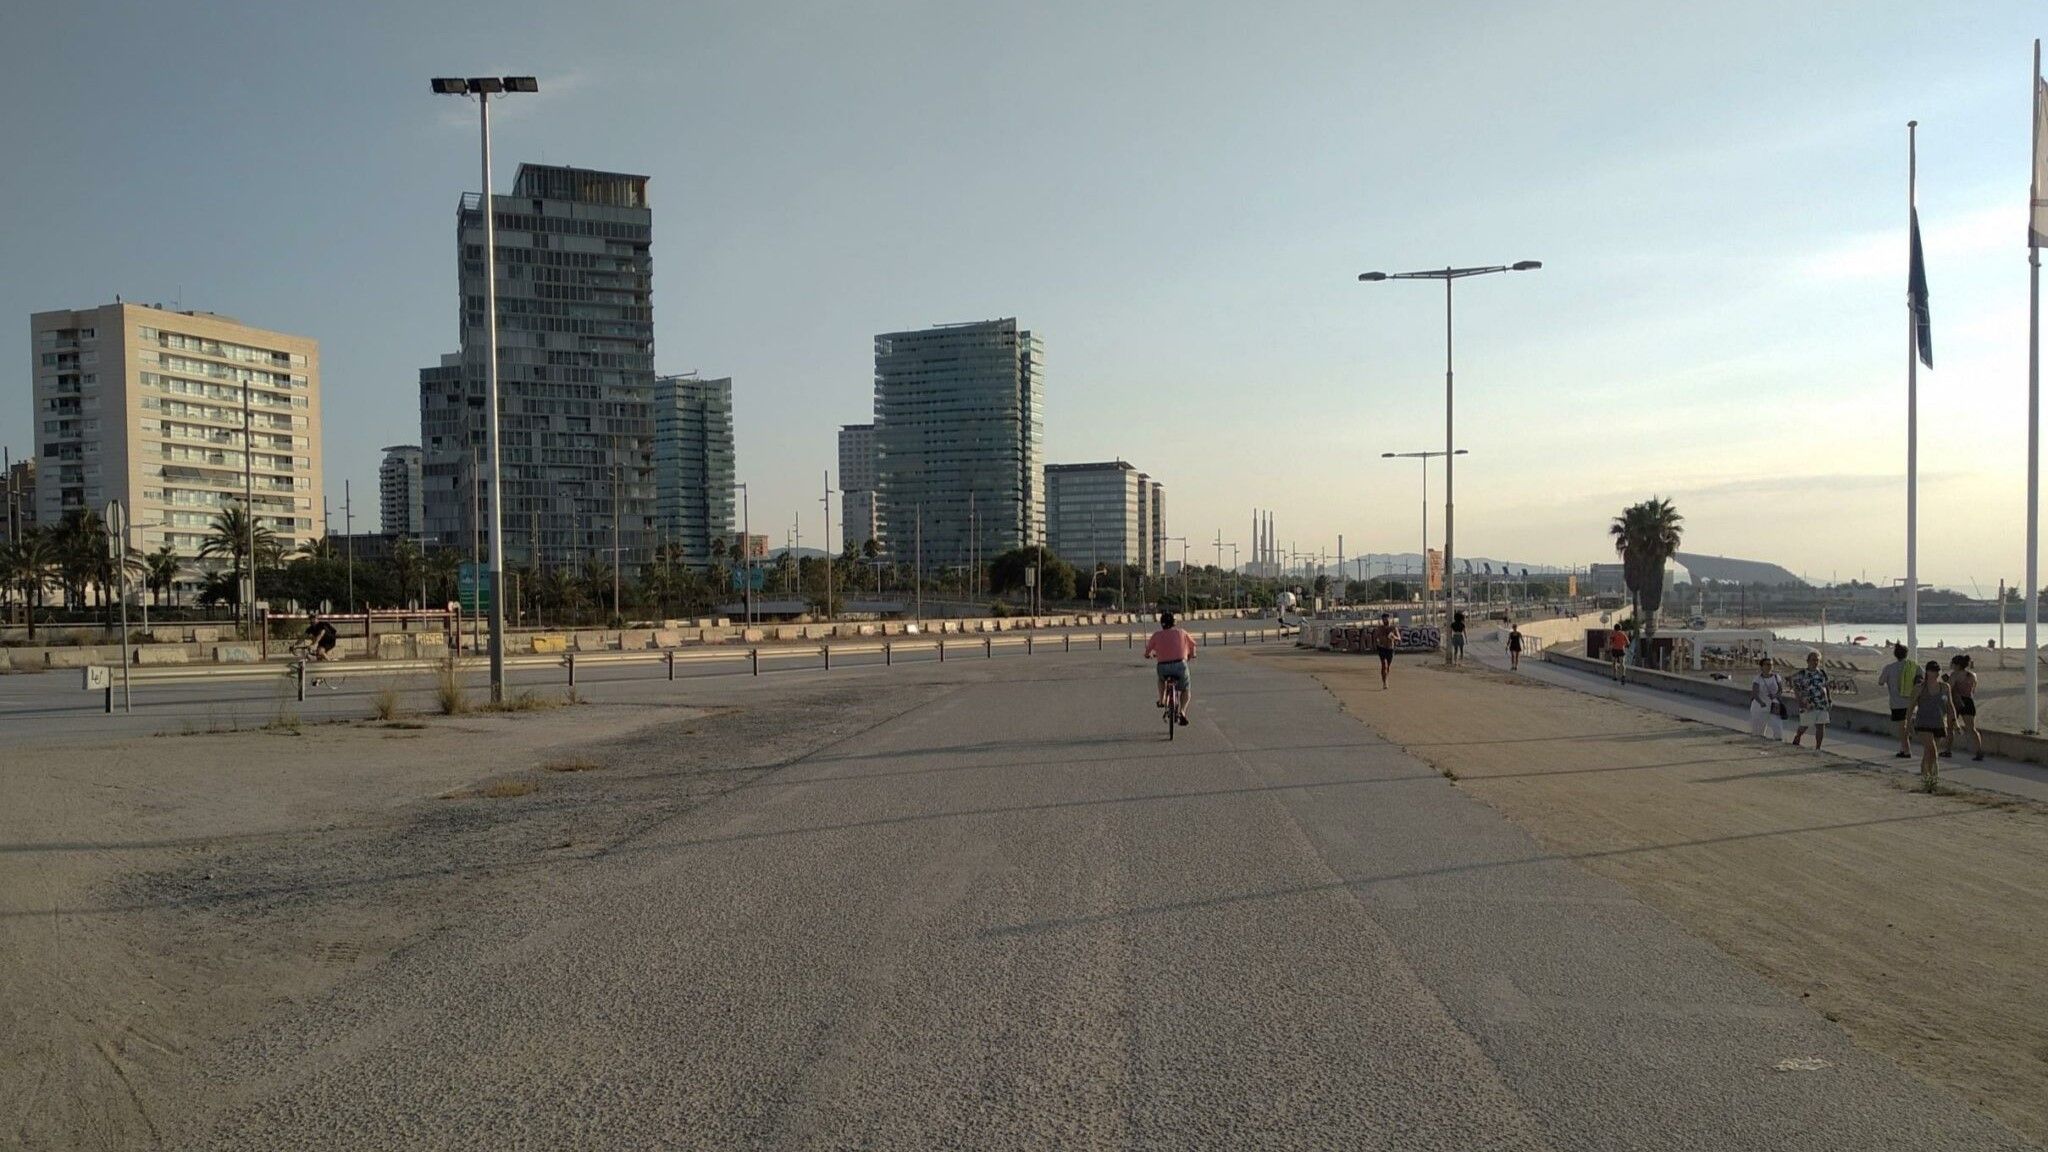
(408, 567)
(1645, 536)
(442, 567)
(228, 538)
(27, 566)
(79, 544)
(160, 572)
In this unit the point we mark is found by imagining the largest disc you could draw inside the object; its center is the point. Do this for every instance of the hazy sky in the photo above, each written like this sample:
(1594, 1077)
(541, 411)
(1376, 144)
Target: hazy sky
(1178, 198)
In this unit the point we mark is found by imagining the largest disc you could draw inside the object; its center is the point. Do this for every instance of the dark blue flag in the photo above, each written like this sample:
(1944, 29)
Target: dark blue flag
(1916, 296)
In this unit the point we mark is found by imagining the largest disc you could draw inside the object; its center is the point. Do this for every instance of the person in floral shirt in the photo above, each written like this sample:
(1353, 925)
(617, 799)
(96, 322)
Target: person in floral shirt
(1810, 687)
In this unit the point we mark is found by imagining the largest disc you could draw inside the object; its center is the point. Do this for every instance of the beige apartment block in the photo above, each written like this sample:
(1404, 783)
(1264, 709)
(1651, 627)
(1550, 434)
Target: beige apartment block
(159, 409)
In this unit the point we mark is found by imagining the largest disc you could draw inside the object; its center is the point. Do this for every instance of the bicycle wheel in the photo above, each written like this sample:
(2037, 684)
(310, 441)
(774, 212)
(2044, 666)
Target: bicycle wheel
(1172, 711)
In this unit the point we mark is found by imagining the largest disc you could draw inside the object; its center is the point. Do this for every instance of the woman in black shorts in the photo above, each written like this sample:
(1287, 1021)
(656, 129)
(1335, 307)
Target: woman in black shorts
(1932, 711)
(1514, 646)
(1962, 687)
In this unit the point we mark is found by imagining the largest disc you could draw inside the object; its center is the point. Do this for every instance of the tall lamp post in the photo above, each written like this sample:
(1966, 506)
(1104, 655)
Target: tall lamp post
(483, 88)
(746, 548)
(1425, 457)
(1183, 568)
(1448, 275)
(1236, 576)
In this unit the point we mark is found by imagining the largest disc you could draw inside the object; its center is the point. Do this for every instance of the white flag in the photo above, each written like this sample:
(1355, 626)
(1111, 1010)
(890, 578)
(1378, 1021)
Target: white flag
(2037, 219)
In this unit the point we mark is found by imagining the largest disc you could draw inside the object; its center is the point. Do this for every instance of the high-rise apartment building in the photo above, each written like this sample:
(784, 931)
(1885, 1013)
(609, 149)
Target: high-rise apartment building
(401, 507)
(959, 437)
(693, 464)
(178, 415)
(575, 372)
(857, 485)
(1155, 521)
(1103, 513)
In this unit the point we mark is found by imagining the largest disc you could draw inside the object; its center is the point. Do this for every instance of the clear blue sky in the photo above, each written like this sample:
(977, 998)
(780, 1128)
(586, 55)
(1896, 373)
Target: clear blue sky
(1177, 197)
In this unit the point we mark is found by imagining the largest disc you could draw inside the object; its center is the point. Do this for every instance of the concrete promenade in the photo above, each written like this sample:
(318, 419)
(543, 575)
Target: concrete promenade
(1013, 916)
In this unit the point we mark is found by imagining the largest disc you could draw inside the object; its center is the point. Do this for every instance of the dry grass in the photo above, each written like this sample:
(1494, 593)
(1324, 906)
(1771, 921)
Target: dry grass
(449, 693)
(525, 701)
(575, 765)
(384, 702)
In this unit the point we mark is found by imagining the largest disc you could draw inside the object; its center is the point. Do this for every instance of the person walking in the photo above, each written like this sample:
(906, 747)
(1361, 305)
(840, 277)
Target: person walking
(1457, 637)
(1810, 690)
(1962, 687)
(1385, 636)
(1933, 710)
(1901, 678)
(1514, 647)
(1767, 702)
(1617, 654)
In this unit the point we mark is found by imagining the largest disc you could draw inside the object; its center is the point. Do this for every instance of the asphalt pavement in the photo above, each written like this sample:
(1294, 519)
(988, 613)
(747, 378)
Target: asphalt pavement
(1018, 917)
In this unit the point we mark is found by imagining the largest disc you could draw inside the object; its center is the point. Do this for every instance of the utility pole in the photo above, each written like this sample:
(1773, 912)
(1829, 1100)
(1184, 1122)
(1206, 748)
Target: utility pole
(920, 562)
(827, 502)
(476, 556)
(615, 537)
(249, 507)
(349, 537)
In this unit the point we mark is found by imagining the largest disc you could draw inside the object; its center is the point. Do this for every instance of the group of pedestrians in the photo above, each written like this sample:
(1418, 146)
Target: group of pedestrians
(1800, 702)
(1926, 702)
(1933, 706)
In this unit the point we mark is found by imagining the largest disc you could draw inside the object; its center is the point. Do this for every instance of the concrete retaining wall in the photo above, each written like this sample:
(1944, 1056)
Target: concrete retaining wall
(1854, 717)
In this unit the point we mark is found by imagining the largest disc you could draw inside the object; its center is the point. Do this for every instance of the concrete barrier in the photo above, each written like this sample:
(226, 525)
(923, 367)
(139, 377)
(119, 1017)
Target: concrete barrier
(1853, 717)
(635, 641)
(236, 654)
(667, 638)
(550, 642)
(162, 654)
(592, 642)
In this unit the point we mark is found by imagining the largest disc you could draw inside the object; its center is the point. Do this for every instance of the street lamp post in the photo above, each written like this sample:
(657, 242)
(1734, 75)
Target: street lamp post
(747, 551)
(1448, 275)
(483, 88)
(1425, 457)
(1183, 568)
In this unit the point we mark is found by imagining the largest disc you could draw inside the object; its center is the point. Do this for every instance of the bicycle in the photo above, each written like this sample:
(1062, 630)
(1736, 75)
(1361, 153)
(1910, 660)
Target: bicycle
(303, 653)
(1174, 689)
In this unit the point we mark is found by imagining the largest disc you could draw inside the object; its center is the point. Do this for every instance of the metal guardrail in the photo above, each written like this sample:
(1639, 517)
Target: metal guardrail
(299, 671)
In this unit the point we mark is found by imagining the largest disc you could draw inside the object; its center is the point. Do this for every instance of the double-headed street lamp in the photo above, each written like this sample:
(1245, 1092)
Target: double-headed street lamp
(1425, 457)
(1447, 275)
(483, 88)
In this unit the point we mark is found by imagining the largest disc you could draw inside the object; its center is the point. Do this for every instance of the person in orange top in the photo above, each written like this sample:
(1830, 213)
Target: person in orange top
(1617, 654)
(1173, 647)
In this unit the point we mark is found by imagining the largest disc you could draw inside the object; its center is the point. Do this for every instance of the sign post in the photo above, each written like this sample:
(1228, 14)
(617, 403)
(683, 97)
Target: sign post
(117, 531)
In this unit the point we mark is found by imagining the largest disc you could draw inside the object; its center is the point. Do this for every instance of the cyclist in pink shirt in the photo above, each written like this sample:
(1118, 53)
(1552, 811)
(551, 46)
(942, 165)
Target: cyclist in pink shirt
(1173, 647)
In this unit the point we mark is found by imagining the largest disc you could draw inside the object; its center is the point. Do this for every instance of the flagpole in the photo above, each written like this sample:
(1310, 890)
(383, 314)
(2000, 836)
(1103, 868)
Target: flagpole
(1912, 409)
(2033, 586)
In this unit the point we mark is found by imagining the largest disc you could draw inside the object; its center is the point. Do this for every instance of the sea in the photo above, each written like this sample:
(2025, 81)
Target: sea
(1930, 635)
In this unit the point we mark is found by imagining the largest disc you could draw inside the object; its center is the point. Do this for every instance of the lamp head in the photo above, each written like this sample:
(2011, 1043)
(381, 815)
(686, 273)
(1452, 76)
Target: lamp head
(486, 85)
(1526, 265)
(1372, 277)
(450, 86)
(521, 84)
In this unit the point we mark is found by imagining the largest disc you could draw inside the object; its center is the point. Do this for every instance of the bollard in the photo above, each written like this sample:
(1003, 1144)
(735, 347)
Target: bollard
(827, 650)
(1098, 641)
(299, 674)
(110, 699)
(754, 654)
(1027, 643)
(1068, 641)
(569, 658)
(942, 650)
(669, 658)
(888, 654)
(1130, 640)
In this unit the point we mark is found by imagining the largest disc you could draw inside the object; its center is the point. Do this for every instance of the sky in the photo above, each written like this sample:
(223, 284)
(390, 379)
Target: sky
(1178, 199)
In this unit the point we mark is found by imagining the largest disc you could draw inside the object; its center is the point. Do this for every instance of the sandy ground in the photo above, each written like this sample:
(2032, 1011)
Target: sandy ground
(1919, 923)
(159, 896)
